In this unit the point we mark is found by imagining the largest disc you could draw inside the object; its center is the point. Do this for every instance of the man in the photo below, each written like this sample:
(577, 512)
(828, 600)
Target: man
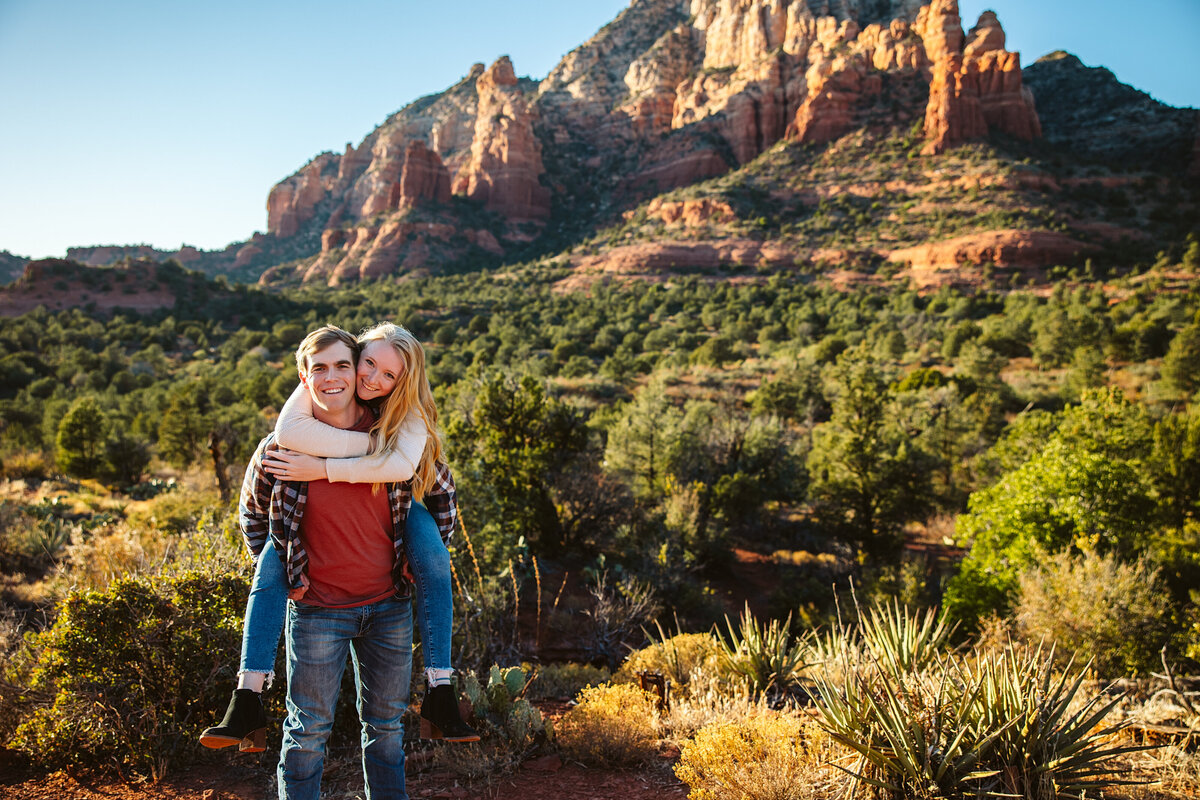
(344, 555)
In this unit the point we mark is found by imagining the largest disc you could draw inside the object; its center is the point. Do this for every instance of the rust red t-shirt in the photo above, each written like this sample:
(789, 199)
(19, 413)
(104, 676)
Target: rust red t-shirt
(347, 531)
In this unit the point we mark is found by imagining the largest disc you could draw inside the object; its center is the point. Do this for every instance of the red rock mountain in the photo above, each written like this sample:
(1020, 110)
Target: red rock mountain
(670, 93)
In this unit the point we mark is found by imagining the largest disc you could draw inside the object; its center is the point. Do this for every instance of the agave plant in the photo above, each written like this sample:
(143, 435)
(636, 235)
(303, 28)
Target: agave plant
(767, 656)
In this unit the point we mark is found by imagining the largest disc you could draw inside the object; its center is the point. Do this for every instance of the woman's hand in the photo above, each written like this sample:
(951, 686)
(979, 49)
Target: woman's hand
(289, 465)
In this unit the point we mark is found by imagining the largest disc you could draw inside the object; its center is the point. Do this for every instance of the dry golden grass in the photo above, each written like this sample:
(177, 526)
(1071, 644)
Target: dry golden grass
(710, 700)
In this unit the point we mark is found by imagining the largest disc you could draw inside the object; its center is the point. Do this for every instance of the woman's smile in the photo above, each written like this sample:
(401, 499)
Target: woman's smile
(380, 367)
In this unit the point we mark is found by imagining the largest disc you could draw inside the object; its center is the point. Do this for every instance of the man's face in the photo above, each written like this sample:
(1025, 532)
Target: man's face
(330, 378)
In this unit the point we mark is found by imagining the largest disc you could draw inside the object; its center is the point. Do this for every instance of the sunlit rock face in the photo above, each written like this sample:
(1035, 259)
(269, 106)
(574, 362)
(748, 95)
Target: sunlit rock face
(506, 158)
(670, 93)
(975, 85)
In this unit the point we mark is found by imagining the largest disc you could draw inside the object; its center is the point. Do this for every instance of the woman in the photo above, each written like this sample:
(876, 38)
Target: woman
(404, 446)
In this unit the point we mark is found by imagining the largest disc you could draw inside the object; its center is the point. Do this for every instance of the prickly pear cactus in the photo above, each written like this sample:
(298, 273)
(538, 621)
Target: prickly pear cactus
(500, 705)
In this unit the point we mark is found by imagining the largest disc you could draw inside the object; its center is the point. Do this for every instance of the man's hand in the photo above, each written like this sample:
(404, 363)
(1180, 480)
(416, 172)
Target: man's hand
(288, 465)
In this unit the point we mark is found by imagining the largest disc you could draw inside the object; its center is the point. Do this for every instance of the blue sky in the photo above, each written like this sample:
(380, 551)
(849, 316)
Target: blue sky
(165, 123)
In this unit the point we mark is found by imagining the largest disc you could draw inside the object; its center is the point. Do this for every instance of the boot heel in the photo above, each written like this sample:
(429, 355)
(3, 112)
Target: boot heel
(429, 730)
(244, 725)
(255, 742)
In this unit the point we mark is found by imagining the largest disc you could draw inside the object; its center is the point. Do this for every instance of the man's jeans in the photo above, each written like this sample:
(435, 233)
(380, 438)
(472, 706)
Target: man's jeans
(379, 636)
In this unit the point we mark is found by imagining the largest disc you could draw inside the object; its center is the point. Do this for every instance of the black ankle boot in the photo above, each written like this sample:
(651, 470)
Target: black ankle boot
(245, 724)
(440, 718)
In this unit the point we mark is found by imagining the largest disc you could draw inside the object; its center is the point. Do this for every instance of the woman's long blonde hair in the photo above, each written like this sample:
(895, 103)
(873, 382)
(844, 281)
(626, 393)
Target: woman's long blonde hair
(411, 393)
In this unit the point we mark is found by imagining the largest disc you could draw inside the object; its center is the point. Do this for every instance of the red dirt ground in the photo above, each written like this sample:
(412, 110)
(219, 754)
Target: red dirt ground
(547, 778)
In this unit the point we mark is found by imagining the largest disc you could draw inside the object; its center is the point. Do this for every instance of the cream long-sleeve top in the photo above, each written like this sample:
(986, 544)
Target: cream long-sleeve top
(345, 452)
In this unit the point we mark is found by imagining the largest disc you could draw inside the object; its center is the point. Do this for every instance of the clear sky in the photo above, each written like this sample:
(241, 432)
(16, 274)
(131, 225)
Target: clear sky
(167, 122)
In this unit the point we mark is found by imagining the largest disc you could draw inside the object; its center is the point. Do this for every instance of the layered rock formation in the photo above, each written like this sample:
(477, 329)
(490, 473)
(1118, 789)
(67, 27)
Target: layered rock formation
(940, 262)
(506, 158)
(424, 178)
(293, 201)
(976, 84)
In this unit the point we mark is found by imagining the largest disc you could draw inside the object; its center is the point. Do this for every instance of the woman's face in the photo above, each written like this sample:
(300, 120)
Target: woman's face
(379, 368)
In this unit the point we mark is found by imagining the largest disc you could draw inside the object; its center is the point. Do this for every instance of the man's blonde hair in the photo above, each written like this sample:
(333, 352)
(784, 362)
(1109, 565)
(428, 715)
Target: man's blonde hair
(321, 338)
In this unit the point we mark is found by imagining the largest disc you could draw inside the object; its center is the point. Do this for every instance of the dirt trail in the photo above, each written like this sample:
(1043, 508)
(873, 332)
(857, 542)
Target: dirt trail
(541, 779)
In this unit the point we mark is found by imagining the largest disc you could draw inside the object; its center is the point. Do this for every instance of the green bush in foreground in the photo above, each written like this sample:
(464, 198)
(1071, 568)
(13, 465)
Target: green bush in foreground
(135, 672)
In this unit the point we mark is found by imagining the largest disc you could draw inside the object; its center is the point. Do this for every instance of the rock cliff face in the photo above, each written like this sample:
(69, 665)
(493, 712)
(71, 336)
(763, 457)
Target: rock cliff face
(334, 190)
(506, 158)
(975, 83)
(294, 200)
(671, 92)
(423, 178)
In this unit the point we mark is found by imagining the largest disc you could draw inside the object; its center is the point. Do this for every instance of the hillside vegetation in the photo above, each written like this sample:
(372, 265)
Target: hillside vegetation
(636, 443)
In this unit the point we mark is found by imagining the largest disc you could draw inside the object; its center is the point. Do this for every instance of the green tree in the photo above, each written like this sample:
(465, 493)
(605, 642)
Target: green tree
(1086, 490)
(866, 477)
(1053, 336)
(510, 440)
(79, 444)
(640, 441)
(1175, 465)
(1191, 256)
(1086, 372)
(183, 430)
(125, 460)
(1181, 365)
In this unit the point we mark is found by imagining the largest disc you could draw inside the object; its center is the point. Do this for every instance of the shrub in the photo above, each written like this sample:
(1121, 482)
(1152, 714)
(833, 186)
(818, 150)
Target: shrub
(135, 672)
(676, 657)
(709, 700)
(565, 680)
(29, 544)
(620, 609)
(174, 513)
(611, 725)
(26, 466)
(1102, 609)
(763, 757)
(96, 560)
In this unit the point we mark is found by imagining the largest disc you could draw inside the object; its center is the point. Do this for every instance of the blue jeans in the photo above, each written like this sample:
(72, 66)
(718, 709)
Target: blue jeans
(379, 637)
(430, 564)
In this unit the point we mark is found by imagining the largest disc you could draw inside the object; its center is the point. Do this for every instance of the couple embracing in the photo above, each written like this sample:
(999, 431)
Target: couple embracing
(329, 507)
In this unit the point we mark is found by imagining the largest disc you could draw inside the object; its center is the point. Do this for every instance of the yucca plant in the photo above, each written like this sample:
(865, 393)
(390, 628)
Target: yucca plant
(993, 724)
(910, 730)
(905, 640)
(1049, 742)
(767, 657)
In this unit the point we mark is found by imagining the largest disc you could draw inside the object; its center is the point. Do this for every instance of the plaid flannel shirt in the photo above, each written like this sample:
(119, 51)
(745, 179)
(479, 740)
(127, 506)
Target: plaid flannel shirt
(271, 507)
